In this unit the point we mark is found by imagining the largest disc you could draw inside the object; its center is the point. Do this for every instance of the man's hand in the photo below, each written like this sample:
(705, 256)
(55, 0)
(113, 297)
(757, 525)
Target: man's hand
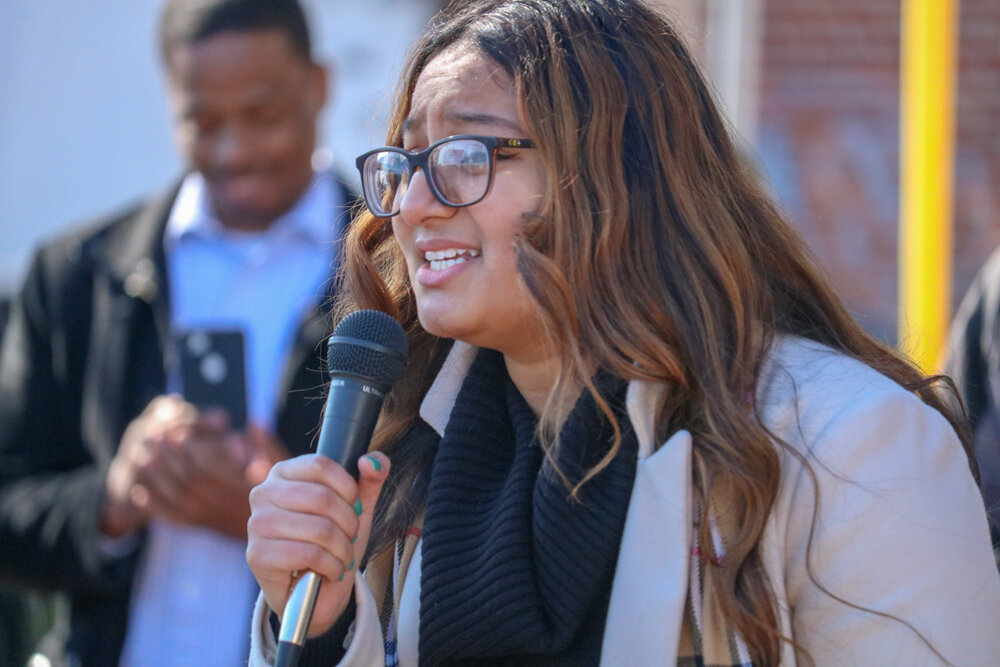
(179, 464)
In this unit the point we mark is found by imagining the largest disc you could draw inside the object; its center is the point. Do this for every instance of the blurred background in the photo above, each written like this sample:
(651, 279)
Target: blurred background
(84, 126)
(812, 87)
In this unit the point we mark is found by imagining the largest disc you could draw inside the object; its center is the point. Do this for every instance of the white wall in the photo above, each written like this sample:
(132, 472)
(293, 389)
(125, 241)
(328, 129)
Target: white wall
(83, 121)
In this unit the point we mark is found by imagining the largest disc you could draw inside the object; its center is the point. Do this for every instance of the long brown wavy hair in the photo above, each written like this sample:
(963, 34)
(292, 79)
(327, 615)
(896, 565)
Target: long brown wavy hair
(655, 255)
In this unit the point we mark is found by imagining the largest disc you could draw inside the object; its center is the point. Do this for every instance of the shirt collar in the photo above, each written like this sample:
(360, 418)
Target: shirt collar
(312, 217)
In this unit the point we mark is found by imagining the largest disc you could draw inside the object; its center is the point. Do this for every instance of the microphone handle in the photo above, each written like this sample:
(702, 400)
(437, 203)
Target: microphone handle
(295, 621)
(352, 408)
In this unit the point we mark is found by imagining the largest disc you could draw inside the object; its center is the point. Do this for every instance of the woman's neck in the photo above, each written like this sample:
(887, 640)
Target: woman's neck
(534, 378)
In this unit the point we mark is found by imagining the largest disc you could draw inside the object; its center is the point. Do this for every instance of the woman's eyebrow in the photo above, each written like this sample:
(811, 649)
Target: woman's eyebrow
(413, 124)
(479, 118)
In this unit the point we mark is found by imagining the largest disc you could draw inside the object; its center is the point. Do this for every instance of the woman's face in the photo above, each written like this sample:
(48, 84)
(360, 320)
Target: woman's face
(478, 297)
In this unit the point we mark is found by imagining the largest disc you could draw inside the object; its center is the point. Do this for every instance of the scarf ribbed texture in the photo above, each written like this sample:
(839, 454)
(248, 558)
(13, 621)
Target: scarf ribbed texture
(513, 570)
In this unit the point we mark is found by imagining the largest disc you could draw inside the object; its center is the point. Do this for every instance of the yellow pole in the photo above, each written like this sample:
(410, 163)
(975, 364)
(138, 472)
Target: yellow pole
(927, 132)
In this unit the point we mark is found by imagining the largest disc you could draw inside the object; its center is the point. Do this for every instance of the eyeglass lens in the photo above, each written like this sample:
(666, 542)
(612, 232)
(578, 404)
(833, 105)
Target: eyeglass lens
(459, 170)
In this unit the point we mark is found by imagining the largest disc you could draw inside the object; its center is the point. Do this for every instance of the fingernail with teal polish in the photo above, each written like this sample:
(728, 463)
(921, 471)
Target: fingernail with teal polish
(354, 539)
(350, 567)
(357, 506)
(376, 464)
(341, 577)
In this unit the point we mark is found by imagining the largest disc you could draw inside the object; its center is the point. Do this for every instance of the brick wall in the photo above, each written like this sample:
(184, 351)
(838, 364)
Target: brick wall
(829, 139)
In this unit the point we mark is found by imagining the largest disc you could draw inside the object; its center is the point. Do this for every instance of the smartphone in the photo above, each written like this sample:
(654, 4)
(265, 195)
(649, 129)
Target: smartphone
(213, 371)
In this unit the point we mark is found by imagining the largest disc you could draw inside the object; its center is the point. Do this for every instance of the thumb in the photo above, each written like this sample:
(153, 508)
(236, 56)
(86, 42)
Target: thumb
(373, 470)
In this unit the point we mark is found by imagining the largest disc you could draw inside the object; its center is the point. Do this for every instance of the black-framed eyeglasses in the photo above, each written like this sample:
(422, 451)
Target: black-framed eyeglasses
(458, 169)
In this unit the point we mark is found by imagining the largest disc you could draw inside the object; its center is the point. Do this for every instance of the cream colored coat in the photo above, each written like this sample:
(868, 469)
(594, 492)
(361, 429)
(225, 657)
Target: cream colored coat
(900, 528)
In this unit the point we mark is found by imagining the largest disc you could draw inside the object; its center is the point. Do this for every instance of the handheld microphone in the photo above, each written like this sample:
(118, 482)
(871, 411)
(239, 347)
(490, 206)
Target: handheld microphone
(366, 355)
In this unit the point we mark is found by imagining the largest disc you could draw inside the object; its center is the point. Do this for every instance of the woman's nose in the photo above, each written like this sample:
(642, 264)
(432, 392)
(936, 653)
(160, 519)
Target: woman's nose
(419, 205)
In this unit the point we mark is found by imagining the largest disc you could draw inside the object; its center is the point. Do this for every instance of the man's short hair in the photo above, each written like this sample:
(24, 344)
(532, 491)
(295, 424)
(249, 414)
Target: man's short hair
(185, 22)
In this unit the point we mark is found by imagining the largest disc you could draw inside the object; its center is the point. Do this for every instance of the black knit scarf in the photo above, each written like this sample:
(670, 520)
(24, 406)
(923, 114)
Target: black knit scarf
(514, 571)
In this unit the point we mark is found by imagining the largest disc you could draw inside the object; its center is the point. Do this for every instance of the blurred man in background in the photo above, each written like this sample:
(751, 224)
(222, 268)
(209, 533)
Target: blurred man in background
(113, 488)
(974, 364)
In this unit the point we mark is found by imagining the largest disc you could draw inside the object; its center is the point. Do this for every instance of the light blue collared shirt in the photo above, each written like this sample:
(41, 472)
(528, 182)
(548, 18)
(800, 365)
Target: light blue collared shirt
(194, 593)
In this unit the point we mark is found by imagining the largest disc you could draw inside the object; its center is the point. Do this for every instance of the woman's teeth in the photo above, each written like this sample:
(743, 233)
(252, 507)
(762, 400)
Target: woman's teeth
(442, 259)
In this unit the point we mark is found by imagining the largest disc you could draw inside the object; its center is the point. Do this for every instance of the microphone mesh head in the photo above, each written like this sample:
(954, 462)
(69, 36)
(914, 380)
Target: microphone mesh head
(369, 344)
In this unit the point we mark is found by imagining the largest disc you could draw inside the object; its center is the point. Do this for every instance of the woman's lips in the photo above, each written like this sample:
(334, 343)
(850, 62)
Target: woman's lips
(441, 266)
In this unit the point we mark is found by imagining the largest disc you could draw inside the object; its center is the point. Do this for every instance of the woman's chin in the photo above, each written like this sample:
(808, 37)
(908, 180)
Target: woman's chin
(441, 324)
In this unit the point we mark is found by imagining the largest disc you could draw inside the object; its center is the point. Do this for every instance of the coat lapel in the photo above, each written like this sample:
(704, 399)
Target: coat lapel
(138, 262)
(310, 344)
(440, 398)
(305, 368)
(130, 296)
(651, 578)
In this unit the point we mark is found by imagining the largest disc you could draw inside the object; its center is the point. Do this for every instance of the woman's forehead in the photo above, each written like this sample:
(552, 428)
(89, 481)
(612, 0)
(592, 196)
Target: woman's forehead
(462, 83)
